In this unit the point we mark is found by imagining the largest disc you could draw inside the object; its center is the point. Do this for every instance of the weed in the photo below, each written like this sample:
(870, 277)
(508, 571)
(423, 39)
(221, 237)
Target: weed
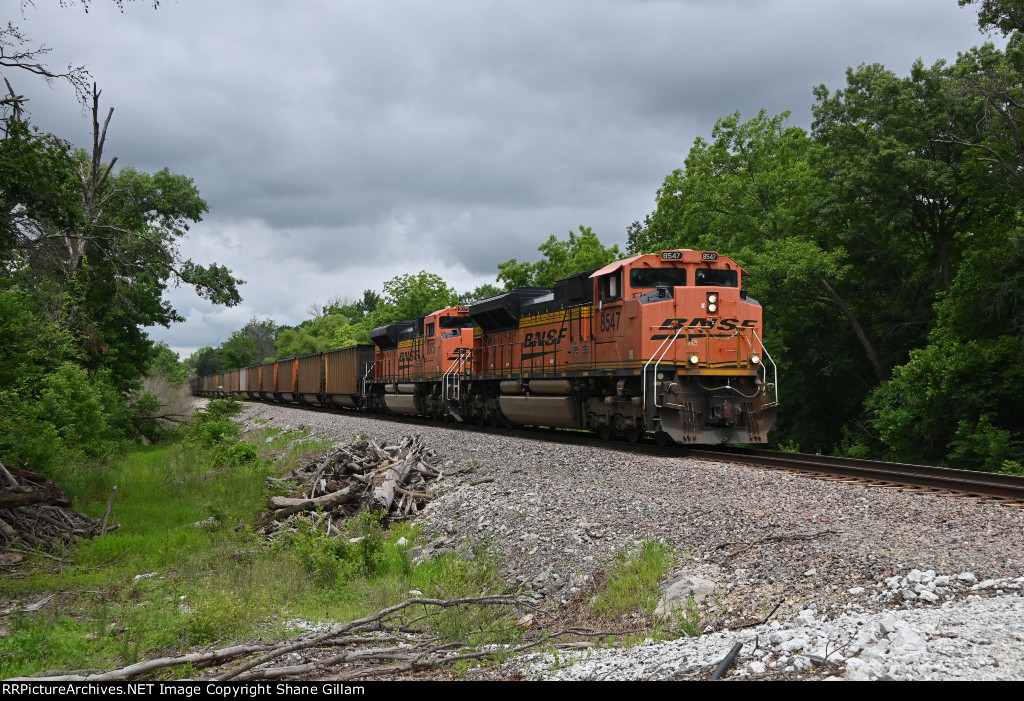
(362, 551)
(217, 614)
(633, 580)
(685, 620)
(450, 577)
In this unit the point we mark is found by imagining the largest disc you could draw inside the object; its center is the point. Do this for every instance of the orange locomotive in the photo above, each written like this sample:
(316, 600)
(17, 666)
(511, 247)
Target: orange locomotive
(666, 344)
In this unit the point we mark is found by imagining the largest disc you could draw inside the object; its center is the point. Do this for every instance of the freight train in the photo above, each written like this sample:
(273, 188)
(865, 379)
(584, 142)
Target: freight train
(667, 345)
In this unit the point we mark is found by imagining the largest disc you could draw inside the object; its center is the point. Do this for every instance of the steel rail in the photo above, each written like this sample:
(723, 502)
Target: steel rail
(986, 484)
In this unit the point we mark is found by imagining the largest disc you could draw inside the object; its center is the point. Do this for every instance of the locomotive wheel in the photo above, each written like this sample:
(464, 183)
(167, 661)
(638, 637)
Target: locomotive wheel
(633, 435)
(605, 432)
(662, 439)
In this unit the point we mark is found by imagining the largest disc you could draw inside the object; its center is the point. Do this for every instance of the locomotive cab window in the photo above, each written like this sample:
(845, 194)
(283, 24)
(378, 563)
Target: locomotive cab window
(715, 277)
(646, 278)
(610, 286)
(430, 330)
(455, 322)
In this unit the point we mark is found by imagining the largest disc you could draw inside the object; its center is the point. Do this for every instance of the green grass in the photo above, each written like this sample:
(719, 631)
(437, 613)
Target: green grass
(632, 585)
(633, 579)
(212, 582)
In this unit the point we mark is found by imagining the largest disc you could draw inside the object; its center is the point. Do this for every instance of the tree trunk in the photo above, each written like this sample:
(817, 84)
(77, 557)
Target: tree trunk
(838, 302)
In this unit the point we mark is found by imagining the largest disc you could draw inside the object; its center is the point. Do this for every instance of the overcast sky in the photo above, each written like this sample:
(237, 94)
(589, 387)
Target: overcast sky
(340, 143)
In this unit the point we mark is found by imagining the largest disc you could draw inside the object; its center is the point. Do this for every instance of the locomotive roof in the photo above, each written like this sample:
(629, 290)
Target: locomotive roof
(686, 255)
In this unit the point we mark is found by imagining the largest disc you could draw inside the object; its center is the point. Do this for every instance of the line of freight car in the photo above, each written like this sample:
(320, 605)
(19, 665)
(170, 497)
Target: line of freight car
(334, 378)
(662, 344)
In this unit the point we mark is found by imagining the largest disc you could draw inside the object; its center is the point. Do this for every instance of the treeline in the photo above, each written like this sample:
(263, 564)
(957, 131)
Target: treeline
(86, 251)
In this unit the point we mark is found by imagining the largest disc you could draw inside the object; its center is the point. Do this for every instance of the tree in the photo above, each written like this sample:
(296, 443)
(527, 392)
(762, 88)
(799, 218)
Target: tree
(481, 292)
(1004, 16)
(203, 362)
(102, 251)
(411, 296)
(895, 184)
(751, 183)
(957, 400)
(580, 252)
(251, 344)
(993, 78)
(167, 364)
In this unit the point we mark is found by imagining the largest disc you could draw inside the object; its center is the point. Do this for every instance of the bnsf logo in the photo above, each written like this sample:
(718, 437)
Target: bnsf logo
(669, 327)
(540, 338)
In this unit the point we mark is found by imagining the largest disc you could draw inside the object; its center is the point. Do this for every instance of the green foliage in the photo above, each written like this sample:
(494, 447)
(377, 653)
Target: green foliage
(362, 551)
(984, 446)
(580, 252)
(450, 576)
(214, 426)
(167, 364)
(1004, 16)
(205, 361)
(52, 410)
(333, 330)
(956, 401)
(251, 344)
(751, 183)
(37, 181)
(216, 614)
(87, 412)
(633, 579)
(481, 292)
(410, 296)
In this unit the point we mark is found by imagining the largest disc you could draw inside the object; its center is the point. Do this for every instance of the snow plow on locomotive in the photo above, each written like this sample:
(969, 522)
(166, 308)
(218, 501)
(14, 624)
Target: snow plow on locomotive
(664, 344)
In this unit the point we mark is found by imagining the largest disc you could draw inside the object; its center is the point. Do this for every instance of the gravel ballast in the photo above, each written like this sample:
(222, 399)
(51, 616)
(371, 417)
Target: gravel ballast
(860, 582)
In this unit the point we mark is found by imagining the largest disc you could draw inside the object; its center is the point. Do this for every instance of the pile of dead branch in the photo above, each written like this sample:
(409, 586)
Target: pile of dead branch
(355, 478)
(36, 514)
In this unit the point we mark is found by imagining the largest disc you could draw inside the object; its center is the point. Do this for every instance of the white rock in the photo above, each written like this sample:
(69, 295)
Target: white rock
(802, 664)
(886, 625)
(805, 618)
(907, 639)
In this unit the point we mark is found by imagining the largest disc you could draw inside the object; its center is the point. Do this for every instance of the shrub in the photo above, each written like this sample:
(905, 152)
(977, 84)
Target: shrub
(361, 550)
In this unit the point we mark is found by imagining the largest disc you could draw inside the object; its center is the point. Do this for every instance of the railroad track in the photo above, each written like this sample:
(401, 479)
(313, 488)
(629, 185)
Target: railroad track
(990, 486)
(1007, 489)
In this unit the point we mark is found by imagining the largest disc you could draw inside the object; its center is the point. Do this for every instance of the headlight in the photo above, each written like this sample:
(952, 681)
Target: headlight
(712, 303)
(712, 308)
(712, 298)
(694, 359)
(755, 359)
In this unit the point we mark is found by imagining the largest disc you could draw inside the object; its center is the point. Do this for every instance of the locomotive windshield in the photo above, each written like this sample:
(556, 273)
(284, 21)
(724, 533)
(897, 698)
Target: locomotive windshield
(455, 322)
(640, 278)
(715, 277)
